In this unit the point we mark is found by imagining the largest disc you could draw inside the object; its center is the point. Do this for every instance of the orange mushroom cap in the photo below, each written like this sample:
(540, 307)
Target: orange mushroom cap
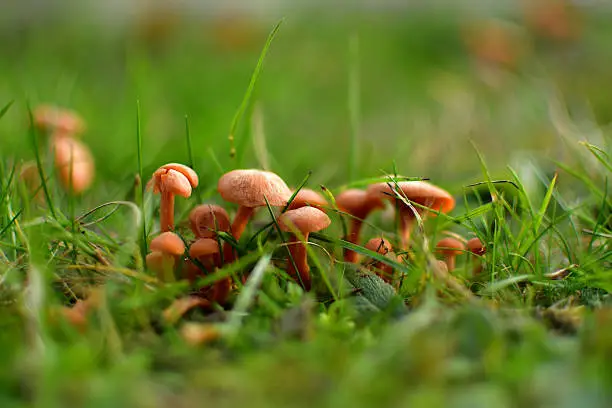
(421, 192)
(174, 177)
(304, 219)
(168, 243)
(249, 187)
(74, 162)
(380, 245)
(206, 218)
(306, 197)
(476, 246)
(358, 202)
(203, 247)
(450, 246)
(55, 119)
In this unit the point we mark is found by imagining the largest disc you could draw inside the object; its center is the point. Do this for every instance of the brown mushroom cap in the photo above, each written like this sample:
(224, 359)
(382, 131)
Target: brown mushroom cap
(421, 192)
(358, 202)
(380, 245)
(450, 246)
(203, 247)
(206, 218)
(249, 187)
(476, 246)
(74, 163)
(304, 219)
(168, 243)
(306, 197)
(52, 118)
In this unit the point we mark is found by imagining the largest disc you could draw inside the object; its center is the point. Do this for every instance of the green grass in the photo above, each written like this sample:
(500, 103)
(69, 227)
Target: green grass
(336, 105)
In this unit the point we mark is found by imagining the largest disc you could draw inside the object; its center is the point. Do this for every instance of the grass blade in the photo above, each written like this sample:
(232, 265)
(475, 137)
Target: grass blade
(249, 92)
(41, 173)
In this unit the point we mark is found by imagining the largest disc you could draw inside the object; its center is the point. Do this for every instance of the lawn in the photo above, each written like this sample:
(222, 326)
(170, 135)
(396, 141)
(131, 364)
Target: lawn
(510, 117)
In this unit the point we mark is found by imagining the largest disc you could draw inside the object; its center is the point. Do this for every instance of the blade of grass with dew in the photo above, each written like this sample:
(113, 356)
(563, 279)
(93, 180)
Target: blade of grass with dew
(247, 96)
(246, 297)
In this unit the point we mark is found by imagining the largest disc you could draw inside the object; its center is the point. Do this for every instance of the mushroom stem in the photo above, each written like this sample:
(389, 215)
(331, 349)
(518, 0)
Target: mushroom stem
(166, 211)
(353, 237)
(450, 262)
(221, 290)
(406, 222)
(169, 262)
(297, 249)
(243, 215)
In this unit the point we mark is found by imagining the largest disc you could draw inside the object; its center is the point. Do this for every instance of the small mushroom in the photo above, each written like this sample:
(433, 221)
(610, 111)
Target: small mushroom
(206, 219)
(250, 189)
(420, 192)
(309, 197)
(554, 19)
(477, 248)
(383, 247)
(74, 163)
(305, 220)
(170, 180)
(55, 120)
(358, 204)
(207, 252)
(450, 247)
(166, 250)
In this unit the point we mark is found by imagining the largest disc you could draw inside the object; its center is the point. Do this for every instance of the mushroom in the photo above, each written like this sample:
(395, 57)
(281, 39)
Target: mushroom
(55, 120)
(207, 252)
(169, 180)
(358, 204)
(305, 220)
(166, 250)
(74, 163)
(553, 19)
(206, 219)
(250, 189)
(420, 192)
(450, 248)
(309, 197)
(477, 248)
(383, 247)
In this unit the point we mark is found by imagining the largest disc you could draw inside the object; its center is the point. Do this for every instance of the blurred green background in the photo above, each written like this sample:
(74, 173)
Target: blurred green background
(423, 89)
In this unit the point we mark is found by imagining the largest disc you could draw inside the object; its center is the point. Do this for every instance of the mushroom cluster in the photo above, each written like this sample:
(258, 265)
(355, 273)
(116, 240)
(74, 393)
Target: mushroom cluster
(73, 161)
(299, 213)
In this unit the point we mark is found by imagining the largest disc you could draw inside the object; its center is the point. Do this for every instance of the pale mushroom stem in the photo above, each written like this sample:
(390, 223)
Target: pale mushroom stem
(166, 211)
(353, 237)
(297, 249)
